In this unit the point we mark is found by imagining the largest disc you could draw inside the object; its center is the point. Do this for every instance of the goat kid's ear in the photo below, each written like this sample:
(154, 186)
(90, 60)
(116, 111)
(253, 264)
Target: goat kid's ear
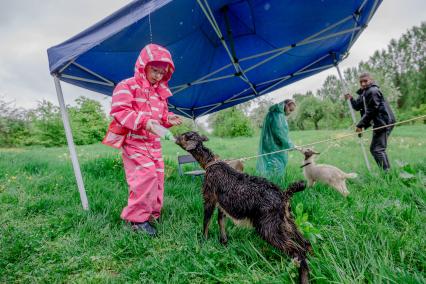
(316, 153)
(204, 138)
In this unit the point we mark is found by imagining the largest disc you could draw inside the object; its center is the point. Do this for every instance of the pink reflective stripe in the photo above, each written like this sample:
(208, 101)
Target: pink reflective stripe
(160, 170)
(134, 87)
(163, 49)
(146, 165)
(155, 108)
(121, 104)
(138, 136)
(135, 126)
(134, 156)
(141, 100)
(121, 92)
(125, 119)
(165, 59)
(148, 50)
(140, 61)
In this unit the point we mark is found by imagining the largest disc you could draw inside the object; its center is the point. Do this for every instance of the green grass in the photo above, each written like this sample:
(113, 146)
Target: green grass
(375, 235)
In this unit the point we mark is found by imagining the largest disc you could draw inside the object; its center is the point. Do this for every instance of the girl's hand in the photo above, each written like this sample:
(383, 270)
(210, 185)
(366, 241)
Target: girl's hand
(174, 119)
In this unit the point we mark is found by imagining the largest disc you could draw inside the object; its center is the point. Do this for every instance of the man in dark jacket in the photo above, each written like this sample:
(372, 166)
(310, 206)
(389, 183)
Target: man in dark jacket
(374, 109)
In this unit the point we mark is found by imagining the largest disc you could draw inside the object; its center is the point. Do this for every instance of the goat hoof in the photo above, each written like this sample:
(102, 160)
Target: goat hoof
(223, 241)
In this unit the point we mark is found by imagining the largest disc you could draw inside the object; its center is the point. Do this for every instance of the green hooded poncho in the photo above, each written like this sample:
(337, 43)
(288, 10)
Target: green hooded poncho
(274, 137)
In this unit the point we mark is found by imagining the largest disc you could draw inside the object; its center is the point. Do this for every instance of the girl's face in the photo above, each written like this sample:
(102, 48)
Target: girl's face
(154, 74)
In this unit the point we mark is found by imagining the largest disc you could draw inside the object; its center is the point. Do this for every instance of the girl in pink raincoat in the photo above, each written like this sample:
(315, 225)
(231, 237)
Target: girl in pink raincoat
(137, 104)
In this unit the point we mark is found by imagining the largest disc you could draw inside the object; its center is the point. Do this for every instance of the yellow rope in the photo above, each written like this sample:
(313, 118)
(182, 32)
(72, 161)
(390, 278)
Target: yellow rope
(330, 139)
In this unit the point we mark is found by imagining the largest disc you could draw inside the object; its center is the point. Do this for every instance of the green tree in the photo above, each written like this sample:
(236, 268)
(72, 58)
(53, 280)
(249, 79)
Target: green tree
(404, 63)
(258, 113)
(14, 126)
(231, 122)
(46, 125)
(313, 109)
(88, 121)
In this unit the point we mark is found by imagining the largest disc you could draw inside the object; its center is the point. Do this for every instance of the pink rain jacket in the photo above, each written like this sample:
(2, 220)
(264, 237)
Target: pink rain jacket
(134, 102)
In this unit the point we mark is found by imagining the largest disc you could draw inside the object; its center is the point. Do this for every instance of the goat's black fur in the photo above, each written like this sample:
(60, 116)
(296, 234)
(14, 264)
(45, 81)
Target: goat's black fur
(245, 197)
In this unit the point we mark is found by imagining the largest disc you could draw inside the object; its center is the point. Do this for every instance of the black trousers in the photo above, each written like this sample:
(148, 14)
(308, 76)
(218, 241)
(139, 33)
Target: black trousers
(378, 147)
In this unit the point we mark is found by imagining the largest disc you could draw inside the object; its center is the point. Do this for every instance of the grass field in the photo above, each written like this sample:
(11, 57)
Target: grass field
(375, 235)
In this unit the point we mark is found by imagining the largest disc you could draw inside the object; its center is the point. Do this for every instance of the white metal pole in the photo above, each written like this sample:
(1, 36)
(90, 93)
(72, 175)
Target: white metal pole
(71, 145)
(195, 124)
(346, 90)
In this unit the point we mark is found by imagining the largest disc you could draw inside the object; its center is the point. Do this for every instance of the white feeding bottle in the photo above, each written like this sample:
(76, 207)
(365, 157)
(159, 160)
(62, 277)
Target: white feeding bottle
(159, 130)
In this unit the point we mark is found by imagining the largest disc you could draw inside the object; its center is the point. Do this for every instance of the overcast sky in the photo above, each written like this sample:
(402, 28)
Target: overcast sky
(28, 28)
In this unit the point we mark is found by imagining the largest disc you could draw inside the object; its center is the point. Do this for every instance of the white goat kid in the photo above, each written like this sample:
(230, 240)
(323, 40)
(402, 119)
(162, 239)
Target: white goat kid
(327, 174)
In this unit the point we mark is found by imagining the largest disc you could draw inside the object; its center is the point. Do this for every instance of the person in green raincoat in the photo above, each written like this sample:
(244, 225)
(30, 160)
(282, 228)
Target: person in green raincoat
(274, 137)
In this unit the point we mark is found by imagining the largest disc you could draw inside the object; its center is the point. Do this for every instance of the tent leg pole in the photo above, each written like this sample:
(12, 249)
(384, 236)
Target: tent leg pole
(71, 145)
(195, 124)
(346, 90)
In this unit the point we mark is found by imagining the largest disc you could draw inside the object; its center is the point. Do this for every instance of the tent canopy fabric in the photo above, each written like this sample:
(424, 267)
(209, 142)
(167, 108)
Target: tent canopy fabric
(225, 51)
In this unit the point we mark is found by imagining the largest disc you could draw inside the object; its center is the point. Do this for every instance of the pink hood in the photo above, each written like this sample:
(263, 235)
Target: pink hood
(151, 53)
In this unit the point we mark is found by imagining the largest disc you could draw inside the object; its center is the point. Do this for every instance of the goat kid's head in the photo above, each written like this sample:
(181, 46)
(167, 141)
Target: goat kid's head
(190, 140)
(308, 153)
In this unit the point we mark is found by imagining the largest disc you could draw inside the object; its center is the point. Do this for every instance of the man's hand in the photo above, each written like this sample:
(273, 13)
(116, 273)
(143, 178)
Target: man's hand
(348, 96)
(174, 119)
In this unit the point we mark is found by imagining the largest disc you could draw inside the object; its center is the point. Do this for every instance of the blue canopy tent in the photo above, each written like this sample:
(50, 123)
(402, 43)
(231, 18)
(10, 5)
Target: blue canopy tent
(226, 52)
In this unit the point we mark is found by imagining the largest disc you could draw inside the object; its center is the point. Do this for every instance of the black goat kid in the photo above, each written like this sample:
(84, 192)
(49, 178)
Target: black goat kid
(248, 199)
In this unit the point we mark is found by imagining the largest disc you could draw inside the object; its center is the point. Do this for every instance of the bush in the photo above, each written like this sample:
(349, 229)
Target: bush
(14, 126)
(88, 121)
(43, 125)
(46, 126)
(231, 122)
(421, 110)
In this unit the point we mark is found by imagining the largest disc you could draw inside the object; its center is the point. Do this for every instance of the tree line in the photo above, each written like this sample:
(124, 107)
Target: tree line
(399, 69)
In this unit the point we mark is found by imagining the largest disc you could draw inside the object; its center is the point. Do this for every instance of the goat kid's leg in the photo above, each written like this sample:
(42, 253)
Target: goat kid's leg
(311, 182)
(276, 238)
(208, 212)
(344, 188)
(290, 229)
(341, 188)
(221, 220)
